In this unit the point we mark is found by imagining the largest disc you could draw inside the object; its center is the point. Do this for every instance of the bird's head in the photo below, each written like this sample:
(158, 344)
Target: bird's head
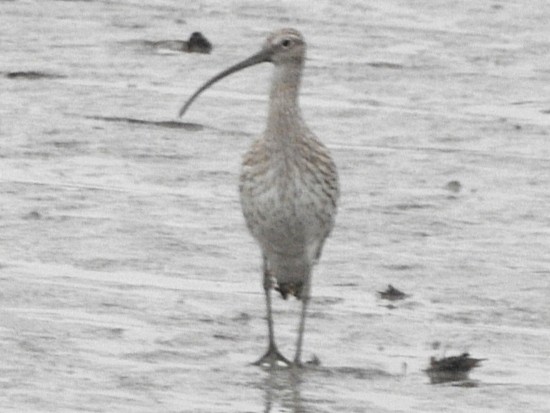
(282, 47)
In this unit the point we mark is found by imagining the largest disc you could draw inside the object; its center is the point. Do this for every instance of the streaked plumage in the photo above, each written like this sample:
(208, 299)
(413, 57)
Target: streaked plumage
(288, 184)
(289, 196)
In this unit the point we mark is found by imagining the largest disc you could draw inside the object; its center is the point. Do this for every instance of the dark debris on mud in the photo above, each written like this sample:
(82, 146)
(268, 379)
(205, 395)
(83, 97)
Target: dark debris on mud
(197, 43)
(392, 294)
(33, 75)
(451, 369)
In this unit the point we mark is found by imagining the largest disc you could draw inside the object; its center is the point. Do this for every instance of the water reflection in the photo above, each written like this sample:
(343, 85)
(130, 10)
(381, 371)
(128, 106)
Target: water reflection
(283, 387)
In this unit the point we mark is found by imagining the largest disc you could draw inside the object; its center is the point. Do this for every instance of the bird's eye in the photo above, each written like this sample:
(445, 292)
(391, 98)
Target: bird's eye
(285, 43)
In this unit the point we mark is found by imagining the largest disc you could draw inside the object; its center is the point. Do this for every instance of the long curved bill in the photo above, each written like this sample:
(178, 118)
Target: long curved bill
(263, 56)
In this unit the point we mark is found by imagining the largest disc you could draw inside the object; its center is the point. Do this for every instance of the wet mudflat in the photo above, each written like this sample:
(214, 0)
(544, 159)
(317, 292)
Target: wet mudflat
(128, 282)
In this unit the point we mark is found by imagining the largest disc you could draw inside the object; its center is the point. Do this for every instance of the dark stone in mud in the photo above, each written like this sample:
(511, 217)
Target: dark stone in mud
(197, 43)
(392, 294)
(454, 186)
(449, 369)
(33, 215)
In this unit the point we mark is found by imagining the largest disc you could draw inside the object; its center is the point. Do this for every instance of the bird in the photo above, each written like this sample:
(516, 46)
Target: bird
(197, 43)
(289, 186)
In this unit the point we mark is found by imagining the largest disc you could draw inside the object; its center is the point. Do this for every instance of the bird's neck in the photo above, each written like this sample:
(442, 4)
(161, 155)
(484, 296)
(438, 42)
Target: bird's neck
(284, 120)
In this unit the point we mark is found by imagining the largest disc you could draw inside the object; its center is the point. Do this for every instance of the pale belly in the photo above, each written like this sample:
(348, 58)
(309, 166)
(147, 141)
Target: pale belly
(288, 214)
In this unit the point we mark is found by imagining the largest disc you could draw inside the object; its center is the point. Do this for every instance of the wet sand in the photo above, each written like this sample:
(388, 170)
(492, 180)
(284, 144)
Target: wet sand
(128, 282)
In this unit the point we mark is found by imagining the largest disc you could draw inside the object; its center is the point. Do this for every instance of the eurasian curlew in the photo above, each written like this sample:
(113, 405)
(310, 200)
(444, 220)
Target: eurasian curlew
(288, 184)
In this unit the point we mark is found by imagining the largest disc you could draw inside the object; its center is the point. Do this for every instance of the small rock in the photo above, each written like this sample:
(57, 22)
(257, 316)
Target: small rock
(454, 186)
(392, 294)
(33, 215)
(454, 368)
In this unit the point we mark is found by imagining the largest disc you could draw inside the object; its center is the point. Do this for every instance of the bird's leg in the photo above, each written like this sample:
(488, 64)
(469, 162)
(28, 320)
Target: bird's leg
(306, 293)
(272, 355)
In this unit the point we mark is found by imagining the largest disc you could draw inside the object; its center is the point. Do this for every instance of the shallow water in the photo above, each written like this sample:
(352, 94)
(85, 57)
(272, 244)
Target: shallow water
(128, 281)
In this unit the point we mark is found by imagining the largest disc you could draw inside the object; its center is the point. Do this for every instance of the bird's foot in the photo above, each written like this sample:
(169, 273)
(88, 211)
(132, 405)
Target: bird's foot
(271, 357)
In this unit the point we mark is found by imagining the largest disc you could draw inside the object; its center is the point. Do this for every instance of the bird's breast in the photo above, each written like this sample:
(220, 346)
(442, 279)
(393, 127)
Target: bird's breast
(287, 203)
